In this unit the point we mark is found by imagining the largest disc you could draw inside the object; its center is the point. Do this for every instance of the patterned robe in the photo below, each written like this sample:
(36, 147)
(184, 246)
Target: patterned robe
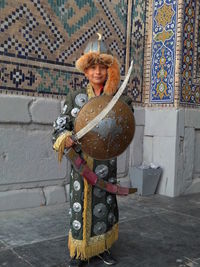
(93, 212)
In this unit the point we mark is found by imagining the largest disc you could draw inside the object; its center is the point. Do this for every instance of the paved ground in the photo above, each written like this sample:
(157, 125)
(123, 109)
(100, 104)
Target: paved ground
(155, 231)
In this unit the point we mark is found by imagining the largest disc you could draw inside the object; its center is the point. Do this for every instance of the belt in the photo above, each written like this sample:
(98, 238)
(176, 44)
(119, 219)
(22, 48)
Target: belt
(81, 166)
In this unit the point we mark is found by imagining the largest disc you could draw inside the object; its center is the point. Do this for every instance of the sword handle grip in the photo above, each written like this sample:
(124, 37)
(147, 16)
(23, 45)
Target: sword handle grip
(75, 139)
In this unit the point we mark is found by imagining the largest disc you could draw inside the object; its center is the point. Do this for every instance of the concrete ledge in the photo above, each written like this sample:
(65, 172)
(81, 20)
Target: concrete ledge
(15, 108)
(54, 195)
(20, 199)
(45, 111)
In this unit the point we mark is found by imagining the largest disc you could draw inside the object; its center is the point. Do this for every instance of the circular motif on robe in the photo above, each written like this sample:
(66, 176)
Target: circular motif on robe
(77, 186)
(98, 192)
(112, 180)
(113, 162)
(76, 225)
(75, 111)
(99, 228)
(81, 99)
(77, 207)
(100, 210)
(101, 171)
(109, 199)
(111, 218)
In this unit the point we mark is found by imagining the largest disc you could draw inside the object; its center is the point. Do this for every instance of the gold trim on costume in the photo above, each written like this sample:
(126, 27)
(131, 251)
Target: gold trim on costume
(90, 246)
(96, 245)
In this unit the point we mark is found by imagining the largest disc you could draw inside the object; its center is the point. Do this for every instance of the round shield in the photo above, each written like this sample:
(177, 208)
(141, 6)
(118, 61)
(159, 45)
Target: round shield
(112, 135)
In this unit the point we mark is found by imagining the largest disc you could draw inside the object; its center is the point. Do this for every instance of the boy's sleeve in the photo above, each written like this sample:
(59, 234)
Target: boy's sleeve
(64, 123)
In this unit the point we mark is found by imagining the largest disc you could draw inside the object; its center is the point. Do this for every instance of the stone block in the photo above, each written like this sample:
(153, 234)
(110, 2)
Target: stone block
(148, 149)
(160, 122)
(45, 111)
(164, 155)
(27, 156)
(181, 122)
(139, 114)
(188, 150)
(19, 199)
(123, 163)
(192, 118)
(196, 152)
(136, 147)
(15, 109)
(54, 195)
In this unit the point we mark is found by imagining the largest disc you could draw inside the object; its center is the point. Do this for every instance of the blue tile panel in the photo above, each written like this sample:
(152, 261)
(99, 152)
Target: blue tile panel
(163, 51)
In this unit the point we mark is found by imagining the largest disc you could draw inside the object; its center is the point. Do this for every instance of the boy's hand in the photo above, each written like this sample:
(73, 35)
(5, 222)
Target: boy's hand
(69, 142)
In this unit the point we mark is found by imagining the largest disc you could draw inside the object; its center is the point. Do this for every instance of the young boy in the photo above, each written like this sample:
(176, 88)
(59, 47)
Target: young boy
(93, 212)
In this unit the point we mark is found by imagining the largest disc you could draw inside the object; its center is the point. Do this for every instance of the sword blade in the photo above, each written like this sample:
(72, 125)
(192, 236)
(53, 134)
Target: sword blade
(105, 111)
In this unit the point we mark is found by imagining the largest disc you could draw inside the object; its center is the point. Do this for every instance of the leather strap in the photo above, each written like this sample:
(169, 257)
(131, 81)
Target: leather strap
(81, 166)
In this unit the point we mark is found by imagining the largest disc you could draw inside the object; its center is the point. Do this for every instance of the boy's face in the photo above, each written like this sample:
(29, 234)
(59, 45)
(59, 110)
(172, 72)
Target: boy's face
(96, 74)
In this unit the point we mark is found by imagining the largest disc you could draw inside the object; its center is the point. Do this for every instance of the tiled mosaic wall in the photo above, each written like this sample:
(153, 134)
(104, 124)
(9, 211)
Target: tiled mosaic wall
(138, 19)
(190, 82)
(41, 40)
(163, 51)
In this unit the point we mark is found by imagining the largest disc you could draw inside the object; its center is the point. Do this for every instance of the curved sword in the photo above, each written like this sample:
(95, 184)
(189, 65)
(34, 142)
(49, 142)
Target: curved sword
(105, 111)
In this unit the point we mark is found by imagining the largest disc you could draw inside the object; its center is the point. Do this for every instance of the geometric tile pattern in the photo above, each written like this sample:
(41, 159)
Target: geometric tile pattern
(137, 49)
(163, 51)
(41, 40)
(198, 42)
(190, 91)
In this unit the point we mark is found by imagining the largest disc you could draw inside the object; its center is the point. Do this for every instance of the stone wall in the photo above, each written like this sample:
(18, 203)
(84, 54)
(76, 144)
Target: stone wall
(29, 172)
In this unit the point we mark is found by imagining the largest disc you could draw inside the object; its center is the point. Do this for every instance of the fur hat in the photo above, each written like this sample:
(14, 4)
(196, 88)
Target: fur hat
(97, 53)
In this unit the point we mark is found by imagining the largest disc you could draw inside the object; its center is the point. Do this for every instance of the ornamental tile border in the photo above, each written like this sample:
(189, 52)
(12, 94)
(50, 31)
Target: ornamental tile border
(163, 51)
(190, 86)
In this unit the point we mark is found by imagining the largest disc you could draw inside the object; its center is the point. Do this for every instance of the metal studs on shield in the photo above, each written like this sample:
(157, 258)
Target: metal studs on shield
(74, 112)
(100, 210)
(81, 99)
(99, 228)
(101, 171)
(76, 225)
